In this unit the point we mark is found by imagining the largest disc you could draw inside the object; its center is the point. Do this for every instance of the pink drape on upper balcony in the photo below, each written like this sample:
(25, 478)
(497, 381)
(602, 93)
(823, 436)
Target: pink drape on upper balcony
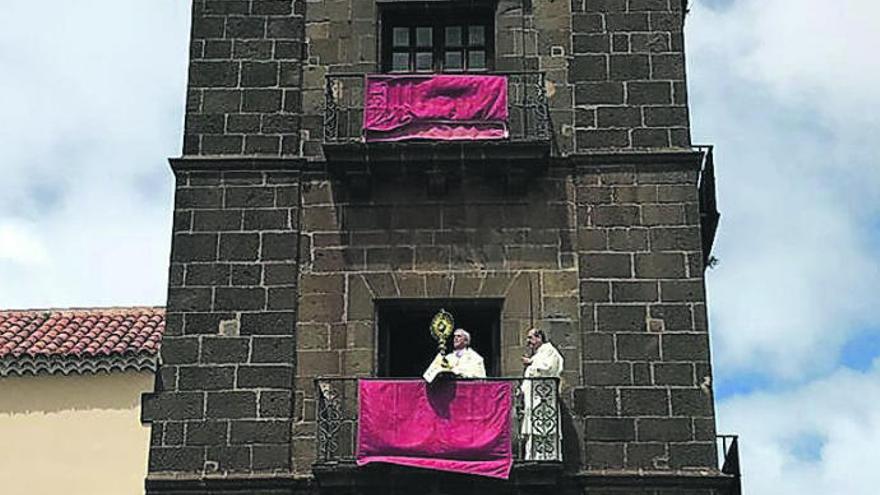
(458, 426)
(442, 107)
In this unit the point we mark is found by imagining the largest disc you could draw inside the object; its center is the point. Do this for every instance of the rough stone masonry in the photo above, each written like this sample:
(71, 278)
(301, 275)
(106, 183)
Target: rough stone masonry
(278, 262)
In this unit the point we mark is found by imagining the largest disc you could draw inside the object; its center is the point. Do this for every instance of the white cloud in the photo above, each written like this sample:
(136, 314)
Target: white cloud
(783, 88)
(93, 96)
(93, 106)
(19, 246)
(798, 184)
(821, 437)
(807, 52)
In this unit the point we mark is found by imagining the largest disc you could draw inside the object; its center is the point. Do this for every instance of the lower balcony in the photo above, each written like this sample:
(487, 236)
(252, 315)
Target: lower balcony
(534, 433)
(535, 442)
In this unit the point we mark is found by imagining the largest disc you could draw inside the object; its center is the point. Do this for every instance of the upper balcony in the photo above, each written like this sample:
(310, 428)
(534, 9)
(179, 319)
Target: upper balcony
(527, 131)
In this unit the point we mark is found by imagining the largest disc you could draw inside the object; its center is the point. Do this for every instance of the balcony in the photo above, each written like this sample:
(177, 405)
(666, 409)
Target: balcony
(337, 421)
(728, 453)
(709, 215)
(528, 124)
(336, 430)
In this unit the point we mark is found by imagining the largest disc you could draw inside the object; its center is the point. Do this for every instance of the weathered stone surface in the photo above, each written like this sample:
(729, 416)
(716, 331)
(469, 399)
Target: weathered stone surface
(278, 283)
(604, 265)
(237, 404)
(595, 401)
(638, 347)
(664, 430)
(618, 318)
(607, 373)
(611, 429)
(644, 402)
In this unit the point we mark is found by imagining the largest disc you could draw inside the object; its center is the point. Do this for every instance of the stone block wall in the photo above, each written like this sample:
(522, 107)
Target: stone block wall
(244, 78)
(477, 242)
(646, 397)
(274, 281)
(628, 72)
(340, 36)
(275, 275)
(223, 398)
(536, 36)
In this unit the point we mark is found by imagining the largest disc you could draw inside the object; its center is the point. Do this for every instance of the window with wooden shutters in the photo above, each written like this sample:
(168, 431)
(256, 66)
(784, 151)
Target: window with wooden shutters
(437, 38)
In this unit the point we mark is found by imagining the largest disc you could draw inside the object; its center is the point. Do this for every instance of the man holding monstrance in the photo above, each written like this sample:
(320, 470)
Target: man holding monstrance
(457, 426)
(462, 362)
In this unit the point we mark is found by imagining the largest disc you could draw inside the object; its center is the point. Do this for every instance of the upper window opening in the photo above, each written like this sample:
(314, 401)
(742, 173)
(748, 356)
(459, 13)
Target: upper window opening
(433, 38)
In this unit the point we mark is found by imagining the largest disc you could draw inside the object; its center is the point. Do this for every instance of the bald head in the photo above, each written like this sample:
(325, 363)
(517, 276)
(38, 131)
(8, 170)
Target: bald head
(461, 339)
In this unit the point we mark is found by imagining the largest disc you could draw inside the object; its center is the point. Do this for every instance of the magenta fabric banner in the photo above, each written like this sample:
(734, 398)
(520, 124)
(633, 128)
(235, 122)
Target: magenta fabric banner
(458, 426)
(444, 107)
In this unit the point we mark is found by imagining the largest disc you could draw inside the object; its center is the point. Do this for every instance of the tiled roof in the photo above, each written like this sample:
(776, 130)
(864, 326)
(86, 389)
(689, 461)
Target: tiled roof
(80, 340)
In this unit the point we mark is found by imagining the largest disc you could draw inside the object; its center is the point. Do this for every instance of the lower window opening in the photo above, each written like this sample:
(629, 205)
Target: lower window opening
(406, 345)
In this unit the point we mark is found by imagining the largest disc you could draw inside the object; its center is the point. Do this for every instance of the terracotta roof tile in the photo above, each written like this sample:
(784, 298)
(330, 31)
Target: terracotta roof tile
(72, 333)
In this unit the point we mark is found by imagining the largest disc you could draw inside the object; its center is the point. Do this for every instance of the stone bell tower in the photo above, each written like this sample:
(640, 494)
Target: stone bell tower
(303, 251)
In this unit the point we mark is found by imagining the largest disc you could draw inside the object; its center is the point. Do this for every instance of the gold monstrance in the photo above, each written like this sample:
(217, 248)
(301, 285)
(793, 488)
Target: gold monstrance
(442, 326)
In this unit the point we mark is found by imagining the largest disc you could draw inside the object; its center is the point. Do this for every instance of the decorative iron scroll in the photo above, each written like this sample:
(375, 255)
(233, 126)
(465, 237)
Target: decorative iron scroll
(545, 420)
(331, 117)
(329, 420)
(542, 112)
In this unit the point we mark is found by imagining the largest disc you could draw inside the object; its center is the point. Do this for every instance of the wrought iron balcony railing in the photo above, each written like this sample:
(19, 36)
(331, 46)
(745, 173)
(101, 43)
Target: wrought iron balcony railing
(528, 114)
(728, 450)
(535, 411)
(709, 215)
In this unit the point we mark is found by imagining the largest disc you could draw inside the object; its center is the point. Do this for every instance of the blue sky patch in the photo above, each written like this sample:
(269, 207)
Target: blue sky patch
(807, 447)
(731, 384)
(861, 351)
(714, 4)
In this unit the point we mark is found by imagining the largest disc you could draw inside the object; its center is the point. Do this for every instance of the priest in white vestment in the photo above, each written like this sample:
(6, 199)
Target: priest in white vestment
(462, 362)
(542, 441)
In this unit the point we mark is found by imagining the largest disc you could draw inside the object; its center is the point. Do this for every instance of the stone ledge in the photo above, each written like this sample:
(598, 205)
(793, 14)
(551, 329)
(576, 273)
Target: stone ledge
(334, 477)
(378, 475)
(438, 151)
(194, 483)
(642, 479)
(238, 163)
(647, 159)
(428, 157)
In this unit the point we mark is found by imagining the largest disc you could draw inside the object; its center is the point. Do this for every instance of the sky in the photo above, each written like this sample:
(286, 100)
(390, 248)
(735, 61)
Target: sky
(787, 90)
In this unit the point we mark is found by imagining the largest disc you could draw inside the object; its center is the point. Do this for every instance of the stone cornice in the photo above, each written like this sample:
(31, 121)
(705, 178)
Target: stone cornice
(349, 476)
(638, 159)
(220, 163)
(599, 159)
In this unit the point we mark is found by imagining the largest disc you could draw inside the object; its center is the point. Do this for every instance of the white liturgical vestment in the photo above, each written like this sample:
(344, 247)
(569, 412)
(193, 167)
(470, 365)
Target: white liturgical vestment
(547, 362)
(464, 364)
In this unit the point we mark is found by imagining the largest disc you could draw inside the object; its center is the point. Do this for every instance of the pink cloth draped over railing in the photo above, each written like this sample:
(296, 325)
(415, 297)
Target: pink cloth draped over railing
(443, 107)
(458, 426)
